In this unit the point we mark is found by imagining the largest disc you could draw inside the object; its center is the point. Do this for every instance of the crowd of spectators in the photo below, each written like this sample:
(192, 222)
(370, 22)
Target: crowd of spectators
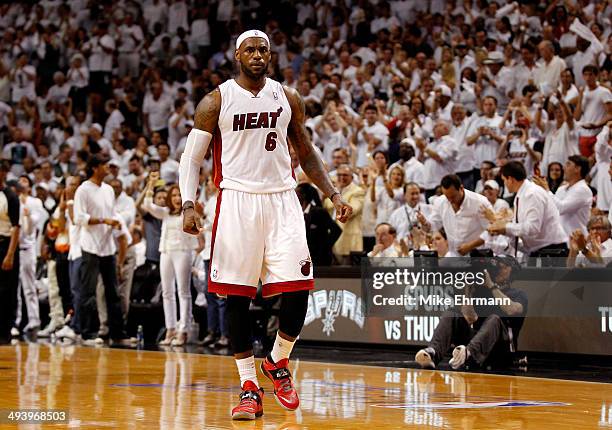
(449, 126)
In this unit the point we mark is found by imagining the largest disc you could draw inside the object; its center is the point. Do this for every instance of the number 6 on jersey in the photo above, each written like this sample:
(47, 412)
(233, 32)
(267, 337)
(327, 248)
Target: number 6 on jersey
(271, 141)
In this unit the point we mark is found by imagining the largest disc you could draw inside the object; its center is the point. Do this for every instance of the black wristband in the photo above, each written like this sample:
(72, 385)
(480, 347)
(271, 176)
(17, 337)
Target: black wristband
(333, 194)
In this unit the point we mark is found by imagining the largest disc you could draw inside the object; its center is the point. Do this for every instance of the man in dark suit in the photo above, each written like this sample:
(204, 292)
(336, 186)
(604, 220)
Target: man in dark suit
(64, 167)
(321, 231)
(9, 254)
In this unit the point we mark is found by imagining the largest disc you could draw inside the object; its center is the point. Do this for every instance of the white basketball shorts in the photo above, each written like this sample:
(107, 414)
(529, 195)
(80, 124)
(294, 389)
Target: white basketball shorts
(259, 237)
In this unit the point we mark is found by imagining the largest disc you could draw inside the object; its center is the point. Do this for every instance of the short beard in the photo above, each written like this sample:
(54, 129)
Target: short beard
(252, 75)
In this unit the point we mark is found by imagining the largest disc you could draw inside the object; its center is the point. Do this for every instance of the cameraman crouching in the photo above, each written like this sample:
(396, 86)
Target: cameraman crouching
(481, 334)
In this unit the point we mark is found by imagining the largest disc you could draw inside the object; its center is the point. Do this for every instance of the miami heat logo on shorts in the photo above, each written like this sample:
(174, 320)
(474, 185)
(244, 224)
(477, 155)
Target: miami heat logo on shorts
(305, 266)
(214, 274)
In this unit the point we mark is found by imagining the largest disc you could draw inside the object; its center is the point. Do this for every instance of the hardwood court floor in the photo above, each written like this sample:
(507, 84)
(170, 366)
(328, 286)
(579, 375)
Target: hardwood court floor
(128, 389)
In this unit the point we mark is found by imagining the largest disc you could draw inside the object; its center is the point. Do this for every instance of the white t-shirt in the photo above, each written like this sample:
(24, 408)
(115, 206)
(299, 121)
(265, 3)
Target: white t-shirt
(131, 38)
(594, 108)
(100, 60)
(78, 78)
(559, 145)
(380, 132)
(158, 110)
(112, 123)
(485, 148)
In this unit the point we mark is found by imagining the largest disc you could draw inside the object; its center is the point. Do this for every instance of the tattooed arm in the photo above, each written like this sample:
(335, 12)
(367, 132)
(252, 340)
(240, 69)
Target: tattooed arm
(205, 122)
(309, 160)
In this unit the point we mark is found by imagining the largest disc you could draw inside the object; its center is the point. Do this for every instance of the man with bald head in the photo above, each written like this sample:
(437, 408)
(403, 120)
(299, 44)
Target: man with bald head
(549, 72)
(438, 156)
(258, 233)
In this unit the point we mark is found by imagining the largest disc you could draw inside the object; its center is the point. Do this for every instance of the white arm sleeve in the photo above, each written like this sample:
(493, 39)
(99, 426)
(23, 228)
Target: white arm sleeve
(191, 161)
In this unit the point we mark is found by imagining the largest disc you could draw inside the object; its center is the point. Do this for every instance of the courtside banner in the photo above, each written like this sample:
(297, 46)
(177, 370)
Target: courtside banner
(425, 285)
(569, 309)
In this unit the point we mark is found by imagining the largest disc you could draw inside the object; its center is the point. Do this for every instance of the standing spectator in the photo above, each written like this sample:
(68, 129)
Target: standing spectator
(17, 151)
(215, 312)
(156, 110)
(438, 157)
(519, 146)
(101, 48)
(561, 139)
(574, 198)
(124, 205)
(177, 253)
(168, 169)
(333, 132)
(177, 16)
(9, 241)
(549, 71)
(413, 168)
(78, 79)
(112, 127)
(460, 213)
(525, 72)
(485, 134)
(64, 166)
(129, 43)
(321, 230)
(30, 217)
(177, 124)
(594, 110)
(491, 192)
(69, 332)
(369, 135)
(496, 80)
(464, 165)
(388, 196)
(351, 238)
(536, 219)
(23, 79)
(94, 212)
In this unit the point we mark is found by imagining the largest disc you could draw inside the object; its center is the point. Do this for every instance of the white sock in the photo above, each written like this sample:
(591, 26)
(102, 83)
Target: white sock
(246, 370)
(281, 349)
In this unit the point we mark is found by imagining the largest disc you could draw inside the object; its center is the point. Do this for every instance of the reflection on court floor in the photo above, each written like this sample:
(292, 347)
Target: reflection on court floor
(114, 388)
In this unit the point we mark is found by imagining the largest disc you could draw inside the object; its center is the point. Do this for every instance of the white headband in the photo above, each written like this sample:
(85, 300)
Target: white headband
(251, 33)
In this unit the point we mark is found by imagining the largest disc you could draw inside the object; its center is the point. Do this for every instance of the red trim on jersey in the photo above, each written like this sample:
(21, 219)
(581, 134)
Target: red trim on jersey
(217, 167)
(232, 289)
(214, 233)
(275, 288)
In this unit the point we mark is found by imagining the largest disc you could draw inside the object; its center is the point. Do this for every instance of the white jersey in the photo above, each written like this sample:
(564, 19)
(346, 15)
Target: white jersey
(250, 148)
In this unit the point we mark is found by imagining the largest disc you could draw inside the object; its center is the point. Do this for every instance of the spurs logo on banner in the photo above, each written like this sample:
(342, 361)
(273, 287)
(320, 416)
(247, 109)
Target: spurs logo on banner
(332, 304)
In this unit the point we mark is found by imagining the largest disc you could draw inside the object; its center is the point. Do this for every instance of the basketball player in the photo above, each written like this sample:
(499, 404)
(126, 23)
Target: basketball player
(258, 230)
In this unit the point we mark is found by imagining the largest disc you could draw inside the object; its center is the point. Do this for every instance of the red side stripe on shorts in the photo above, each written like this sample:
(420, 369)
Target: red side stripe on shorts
(275, 288)
(214, 234)
(217, 167)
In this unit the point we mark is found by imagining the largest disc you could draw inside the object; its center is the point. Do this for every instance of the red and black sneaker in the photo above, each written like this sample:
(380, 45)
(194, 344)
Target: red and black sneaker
(251, 403)
(279, 374)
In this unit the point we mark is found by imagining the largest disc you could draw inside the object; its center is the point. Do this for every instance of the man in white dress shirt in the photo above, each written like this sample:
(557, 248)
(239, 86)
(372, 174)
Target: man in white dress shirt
(404, 218)
(460, 212)
(574, 198)
(95, 212)
(536, 218)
